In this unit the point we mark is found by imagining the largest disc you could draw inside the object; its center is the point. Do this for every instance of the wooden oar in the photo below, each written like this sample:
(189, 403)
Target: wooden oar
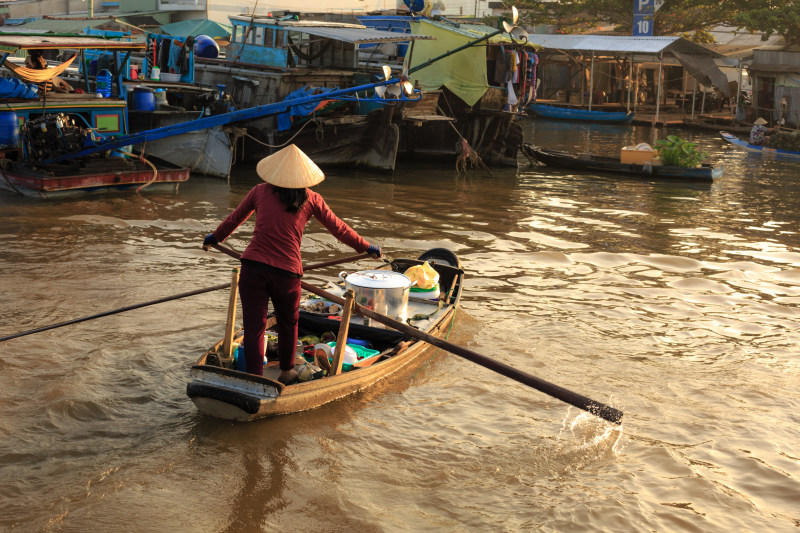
(587, 404)
(228, 251)
(115, 311)
(236, 255)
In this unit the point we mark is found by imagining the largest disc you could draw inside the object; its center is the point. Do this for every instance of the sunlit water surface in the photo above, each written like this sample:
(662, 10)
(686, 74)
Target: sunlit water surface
(674, 302)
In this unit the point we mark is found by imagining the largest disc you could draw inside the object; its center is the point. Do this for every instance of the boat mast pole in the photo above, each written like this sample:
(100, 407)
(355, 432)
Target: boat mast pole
(630, 80)
(591, 82)
(660, 77)
(738, 91)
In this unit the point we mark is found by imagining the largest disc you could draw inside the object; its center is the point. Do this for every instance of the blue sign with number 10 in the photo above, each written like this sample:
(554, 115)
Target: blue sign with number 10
(642, 25)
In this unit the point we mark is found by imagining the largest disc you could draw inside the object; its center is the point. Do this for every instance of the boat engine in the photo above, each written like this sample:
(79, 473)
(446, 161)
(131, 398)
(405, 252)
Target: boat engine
(53, 135)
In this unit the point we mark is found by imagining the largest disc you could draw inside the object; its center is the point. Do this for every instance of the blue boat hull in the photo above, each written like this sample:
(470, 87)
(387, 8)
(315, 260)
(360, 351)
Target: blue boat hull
(754, 148)
(565, 113)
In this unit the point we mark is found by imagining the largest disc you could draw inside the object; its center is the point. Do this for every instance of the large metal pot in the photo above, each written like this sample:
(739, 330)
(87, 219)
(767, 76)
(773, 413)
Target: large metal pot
(382, 291)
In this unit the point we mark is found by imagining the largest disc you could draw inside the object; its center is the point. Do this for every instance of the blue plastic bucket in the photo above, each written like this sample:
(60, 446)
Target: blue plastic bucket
(9, 129)
(144, 99)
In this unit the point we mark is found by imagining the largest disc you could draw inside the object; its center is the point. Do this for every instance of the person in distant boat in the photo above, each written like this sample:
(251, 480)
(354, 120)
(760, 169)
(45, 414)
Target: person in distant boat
(36, 60)
(759, 134)
(271, 264)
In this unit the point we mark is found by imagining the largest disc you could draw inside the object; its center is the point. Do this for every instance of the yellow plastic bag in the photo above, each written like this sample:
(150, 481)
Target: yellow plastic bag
(424, 274)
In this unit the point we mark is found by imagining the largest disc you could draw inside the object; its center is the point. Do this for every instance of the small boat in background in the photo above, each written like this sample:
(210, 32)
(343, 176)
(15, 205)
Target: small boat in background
(614, 165)
(754, 148)
(566, 113)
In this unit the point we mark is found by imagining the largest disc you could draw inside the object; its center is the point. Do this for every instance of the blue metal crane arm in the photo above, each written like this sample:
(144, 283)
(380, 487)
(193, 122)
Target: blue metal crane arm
(216, 120)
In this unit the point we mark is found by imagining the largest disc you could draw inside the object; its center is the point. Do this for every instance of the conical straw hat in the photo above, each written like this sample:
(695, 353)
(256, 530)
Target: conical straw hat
(289, 168)
(760, 121)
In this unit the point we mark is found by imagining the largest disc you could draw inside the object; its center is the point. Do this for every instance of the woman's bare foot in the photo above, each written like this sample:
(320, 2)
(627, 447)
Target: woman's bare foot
(287, 376)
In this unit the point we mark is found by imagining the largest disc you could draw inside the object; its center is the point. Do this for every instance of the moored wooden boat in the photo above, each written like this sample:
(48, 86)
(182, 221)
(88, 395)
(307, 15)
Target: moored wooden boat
(607, 164)
(100, 174)
(221, 391)
(566, 113)
(754, 148)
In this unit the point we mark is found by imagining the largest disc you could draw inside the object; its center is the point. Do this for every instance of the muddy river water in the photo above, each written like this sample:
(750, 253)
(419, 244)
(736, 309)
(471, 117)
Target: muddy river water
(674, 302)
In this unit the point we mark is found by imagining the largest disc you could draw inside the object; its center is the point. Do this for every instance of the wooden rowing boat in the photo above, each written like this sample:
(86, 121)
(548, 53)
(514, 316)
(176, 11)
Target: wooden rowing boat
(89, 175)
(754, 148)
(219, 390)
(585, 115)
(613, 165)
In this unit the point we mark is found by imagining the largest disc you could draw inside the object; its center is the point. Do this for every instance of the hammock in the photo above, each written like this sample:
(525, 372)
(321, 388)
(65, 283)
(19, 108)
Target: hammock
(32, 75)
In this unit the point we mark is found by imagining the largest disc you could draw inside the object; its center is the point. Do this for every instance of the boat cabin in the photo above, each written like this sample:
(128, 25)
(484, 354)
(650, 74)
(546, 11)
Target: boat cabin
(97, 98)
(286, 44)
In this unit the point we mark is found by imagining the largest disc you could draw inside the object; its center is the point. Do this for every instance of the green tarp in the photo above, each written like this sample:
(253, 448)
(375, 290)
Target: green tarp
(463, 73)
(196, 27)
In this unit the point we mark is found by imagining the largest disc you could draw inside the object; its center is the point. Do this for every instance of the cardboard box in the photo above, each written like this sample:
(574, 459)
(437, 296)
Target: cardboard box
(639, 157)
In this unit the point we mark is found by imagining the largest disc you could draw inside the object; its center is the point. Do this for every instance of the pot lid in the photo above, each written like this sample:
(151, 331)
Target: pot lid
(378, 279)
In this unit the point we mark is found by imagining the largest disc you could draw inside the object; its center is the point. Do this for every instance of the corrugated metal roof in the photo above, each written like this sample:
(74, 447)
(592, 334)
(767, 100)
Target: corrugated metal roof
(12, 43)
(357, 35)
(620, 44)
(67, 25)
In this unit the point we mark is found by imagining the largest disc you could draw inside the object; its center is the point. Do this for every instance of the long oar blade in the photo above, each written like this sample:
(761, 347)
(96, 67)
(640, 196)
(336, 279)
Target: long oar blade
(596, 408)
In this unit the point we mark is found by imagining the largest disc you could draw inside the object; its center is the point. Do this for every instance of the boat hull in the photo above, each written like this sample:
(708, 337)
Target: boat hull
(368, 140)
(208, 152)
(589, 162)
(25, 182)
(565, 113)
(229, 394)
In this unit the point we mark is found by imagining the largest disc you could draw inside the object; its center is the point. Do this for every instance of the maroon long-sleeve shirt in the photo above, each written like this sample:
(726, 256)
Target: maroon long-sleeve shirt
(278, 233)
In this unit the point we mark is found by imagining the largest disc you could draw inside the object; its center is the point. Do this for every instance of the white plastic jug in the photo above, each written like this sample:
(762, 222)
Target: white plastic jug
(155, 74)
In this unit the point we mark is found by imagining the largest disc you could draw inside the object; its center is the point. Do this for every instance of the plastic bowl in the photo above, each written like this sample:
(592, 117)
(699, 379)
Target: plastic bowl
(170, 76)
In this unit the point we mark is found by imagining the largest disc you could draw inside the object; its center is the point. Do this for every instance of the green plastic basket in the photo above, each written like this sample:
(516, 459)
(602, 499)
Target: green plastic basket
(362, 353)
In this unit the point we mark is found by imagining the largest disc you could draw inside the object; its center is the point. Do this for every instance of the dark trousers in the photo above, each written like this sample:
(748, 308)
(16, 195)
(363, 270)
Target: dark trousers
(256, 288)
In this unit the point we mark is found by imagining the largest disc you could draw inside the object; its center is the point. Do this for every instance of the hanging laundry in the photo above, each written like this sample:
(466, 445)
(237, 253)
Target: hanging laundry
(523, 75)
(163, 54)
(533, 63)
(512, 97)
(515, 68)
(175, 53)
(510, 58)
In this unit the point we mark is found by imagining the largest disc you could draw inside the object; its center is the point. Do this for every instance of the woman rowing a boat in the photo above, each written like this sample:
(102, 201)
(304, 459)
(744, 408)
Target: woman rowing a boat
(758, 135)
(271, 263)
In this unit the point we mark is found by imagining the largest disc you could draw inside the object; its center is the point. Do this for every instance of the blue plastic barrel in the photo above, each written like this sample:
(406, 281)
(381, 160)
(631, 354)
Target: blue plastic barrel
(144, 99)
(205, 46)
(104, 83)
(9, 129)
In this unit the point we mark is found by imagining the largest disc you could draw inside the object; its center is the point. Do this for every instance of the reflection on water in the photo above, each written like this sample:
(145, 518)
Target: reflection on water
(674, 302)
